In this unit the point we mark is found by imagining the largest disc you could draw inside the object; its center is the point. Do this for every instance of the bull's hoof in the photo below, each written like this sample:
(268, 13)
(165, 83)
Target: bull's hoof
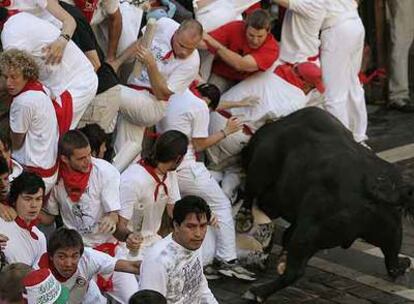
(249, 295)
(403, 264)
(281, 262)
(244, 220)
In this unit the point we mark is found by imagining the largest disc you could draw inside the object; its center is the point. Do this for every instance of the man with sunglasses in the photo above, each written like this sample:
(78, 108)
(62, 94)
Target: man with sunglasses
(147, 188)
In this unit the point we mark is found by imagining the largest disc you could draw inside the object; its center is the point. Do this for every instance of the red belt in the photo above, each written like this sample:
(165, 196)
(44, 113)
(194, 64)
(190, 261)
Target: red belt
(140, 88)
(44, 173)
(246, 129)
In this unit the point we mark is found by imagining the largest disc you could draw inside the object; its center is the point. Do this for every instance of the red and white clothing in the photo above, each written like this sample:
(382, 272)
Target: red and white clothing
(300, 30)
(75, 74)
(96, 11)
(341, 63)
(178, 73)
(32, 113)
(176, 273)
(17, 169)
(189, 114)
(101, 196)
(81, 285)
(233, 37)
(35, 7)
(26, 244)
(143, 199)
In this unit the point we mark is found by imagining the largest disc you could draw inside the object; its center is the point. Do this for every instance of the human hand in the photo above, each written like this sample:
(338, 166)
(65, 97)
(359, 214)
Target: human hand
(108, 223)
(144, 55)
(53, 53)
(214, 221)
(249, 101)
(233, 125)
(134, 241)
(7, 213)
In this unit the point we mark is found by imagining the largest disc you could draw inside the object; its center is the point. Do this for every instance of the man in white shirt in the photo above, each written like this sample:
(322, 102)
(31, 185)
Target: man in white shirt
(33, 121)
(87, 198)
(73, 79)
(148, 187)
(173, 266)
(170, 65)
(75, 266)
(190, 114)
(300, 30)
(24, 242)
(341, 63)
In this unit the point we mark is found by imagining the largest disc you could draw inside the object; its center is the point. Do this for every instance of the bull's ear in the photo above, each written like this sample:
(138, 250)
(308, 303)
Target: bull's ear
(383, 188)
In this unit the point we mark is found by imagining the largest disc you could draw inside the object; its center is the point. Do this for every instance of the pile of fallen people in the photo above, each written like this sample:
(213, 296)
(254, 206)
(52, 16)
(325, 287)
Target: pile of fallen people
(139, 127)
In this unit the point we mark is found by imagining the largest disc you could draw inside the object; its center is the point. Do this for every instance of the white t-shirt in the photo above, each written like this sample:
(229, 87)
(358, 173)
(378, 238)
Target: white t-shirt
(179, 73)
(32, 113)
(300, 31)
(21, 247)
(339, 10)
(188, 114)
(30, 33)
(176, 273)
(103, 9)
(17, 169)
(81, 285)
(278, 98)
(137, 201)
(100, 197)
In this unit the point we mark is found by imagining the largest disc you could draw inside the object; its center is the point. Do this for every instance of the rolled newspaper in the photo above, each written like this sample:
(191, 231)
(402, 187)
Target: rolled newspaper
(146, 42)
(126, 156)
(137, 220)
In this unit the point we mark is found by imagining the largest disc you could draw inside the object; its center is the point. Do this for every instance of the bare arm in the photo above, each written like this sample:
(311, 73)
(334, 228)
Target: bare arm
(122, 231)
(114, 33)
(249, 101)
(17, 140)
(46, 218)
(128, 266)
(240, 63)
(233, 125)
(94, 59)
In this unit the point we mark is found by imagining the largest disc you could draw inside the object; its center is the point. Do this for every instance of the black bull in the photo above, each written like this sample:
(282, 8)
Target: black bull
(307, 169)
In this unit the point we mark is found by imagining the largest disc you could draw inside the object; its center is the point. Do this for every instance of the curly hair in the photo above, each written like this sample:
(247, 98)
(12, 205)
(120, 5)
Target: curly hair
(21, 61)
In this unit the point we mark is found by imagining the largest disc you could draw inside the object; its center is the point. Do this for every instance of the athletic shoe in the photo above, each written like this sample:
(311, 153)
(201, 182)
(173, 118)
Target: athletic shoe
(235, 270)
(211, 273)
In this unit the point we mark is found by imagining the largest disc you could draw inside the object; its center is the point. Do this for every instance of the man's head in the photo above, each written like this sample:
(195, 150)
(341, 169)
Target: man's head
(18, 67)
(75, 151)
(11, 287)
(311, 75)
(186, 38)
(257, 28)
(4, 179)
(26, 195)
(169, 149)
(65, 248)
(211, 94)
(97, 139)
(5, 147)
(191, 216)
(147, 296)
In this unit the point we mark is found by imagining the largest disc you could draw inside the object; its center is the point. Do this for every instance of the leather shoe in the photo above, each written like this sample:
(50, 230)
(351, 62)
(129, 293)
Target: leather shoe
(402, 105)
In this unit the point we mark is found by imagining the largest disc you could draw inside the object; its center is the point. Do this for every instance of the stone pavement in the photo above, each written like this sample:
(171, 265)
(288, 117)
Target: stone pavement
(356, 275)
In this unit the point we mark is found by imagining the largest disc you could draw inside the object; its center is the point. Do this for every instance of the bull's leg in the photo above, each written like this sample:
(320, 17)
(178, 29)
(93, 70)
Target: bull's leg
(301, 248)
(282, 258)
(389, 240)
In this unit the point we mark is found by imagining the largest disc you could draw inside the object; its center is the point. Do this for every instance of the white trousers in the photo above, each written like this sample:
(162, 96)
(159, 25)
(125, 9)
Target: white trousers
(402, 35)
(195, 179)
(341, 57)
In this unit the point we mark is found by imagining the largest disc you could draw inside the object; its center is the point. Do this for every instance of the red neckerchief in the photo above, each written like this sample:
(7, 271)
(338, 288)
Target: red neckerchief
(194, 90)
(75, 182)
(286, 72)
(88, 7)
(44, 262)
(160, 182)
(22, 224)
(31, 85)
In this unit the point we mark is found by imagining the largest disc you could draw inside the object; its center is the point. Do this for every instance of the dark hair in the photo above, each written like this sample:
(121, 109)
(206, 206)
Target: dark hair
(72, 140)
(4, 166)
(64, 238)
(11, 286)
(192, 24)
(28, 183)
(96, 136)
(259, 19)
(147, 296)
(169, 146)
(6, 140)
(212, 92)
(190, 204)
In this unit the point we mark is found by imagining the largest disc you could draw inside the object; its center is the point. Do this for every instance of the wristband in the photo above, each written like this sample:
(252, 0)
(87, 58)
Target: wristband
(65, 36)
